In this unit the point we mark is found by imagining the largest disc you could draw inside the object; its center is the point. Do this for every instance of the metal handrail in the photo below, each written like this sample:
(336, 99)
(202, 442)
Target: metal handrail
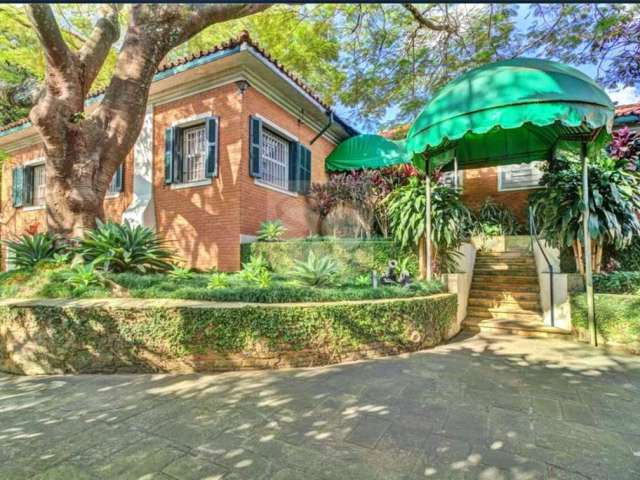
(534, 235)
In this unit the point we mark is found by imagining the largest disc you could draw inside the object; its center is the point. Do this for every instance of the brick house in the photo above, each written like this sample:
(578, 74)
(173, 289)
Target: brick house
(511, 185)
(230, 139)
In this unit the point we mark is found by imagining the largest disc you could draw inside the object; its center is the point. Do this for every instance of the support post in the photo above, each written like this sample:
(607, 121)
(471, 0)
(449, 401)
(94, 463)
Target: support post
(588, 271)
(455, 172)
(427, 230)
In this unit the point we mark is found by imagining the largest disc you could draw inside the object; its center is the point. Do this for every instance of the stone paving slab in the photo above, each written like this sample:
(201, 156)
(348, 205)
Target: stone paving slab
(481, 407)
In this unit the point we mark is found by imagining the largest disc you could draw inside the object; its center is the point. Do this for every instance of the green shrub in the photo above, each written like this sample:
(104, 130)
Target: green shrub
(629, 257)
(271, 231)
(617, 318)
(125, 248)
(81, 277)
(617, 282)
(315, 271)
(218, 280)
(256, 272)
(28, 250)
(122, 337)
(353, 256)
(180, 273)
(495, 219)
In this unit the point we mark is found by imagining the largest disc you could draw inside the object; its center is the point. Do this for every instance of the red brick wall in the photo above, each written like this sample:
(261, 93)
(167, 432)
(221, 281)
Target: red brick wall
(482, 183)
(202, 223)
(15, 221)
(260, 203)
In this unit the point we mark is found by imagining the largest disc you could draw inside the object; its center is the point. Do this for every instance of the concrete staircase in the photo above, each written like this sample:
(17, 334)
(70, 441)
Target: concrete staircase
(505, 295)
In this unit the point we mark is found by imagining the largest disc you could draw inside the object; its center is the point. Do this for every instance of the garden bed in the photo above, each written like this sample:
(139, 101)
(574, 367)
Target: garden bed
(129, 335)
(617, 318)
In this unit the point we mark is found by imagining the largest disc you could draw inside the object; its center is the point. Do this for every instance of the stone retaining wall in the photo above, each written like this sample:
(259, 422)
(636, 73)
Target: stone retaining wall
(130, 335)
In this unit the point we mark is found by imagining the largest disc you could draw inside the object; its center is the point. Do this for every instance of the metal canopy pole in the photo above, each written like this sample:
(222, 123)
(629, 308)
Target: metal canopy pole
(455, 172)
(427, 230)
(588, 272)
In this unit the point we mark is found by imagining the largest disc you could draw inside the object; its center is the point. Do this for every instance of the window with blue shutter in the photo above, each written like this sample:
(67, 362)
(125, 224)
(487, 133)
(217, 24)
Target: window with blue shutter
(116, 185)
(178, 166)
(255, 147)
(304, 170)
(168, 156)
(212, 147)
(18, 186)
(294, 162)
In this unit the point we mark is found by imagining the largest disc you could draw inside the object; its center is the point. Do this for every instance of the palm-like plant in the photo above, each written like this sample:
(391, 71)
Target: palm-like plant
(495, 219)
(28, 250)
(125, 248)
(613, 207)
(450, 219)
(316, 271)
(271, 231)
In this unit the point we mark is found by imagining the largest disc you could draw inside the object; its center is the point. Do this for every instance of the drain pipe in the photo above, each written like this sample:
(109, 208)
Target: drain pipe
(326, 127)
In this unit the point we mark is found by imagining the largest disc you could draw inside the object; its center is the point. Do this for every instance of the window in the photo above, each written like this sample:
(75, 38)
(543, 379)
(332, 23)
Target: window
(194, 148)
(191, 152)
(29, 186)
(115, 187)
(38, 185)
(519, 177)
(448, 178)
(275, 160)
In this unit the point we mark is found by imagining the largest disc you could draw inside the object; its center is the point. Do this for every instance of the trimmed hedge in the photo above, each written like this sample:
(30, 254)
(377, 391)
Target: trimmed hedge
(617, 319)
(355, 256)
(53, 338)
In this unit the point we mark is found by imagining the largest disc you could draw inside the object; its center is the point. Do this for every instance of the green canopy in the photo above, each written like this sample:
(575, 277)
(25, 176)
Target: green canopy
(507, 112)
(366, 151)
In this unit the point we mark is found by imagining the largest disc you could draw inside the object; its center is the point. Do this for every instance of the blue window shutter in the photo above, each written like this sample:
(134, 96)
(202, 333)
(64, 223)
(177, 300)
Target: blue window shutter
(27, 185)
(118, 178)
(294, 162)
(168, 155)
(255, 147)
(177, 155)
(212, 147)
(304, 170)
(18, 186)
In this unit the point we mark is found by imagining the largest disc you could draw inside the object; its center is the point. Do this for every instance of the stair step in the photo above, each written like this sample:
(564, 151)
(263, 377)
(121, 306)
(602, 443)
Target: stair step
(514, 327)
(501, 264)
(505, 278)
(508, 254)
(510, 295)
(504, 304)
(530, 272)
(483, 312)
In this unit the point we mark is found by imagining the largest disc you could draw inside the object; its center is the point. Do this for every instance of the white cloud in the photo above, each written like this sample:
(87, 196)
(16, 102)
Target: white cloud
(624, 96)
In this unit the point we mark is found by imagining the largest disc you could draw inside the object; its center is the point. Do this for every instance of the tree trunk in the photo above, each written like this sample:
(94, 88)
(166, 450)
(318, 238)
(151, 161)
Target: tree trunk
(422, 257)
(83, 152)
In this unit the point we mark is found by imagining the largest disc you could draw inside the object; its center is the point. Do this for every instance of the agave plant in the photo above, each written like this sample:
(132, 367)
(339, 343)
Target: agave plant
(256, 272)
(180, 273)
(125, 248)
(316, 270)
(81, 276)
(271, 231)
(218, 280)
(28, 250)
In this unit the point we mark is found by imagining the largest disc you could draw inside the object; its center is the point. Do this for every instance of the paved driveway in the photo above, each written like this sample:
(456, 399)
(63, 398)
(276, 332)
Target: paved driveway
(481, 407)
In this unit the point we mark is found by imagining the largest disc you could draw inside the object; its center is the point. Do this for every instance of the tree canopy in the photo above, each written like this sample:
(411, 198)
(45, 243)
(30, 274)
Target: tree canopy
(381, 62)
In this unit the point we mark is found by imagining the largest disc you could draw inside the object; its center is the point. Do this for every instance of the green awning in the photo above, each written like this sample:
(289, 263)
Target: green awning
(366, 151)
(513, 111)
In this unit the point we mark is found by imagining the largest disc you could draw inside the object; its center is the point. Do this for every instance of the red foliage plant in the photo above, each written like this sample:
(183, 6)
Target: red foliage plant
(32, 228)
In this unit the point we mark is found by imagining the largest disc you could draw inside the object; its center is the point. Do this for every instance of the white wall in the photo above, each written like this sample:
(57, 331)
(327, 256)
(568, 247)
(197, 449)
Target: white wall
(562, 306)
(460, 283)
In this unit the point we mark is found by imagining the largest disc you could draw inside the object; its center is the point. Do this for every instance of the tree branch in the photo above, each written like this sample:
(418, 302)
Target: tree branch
(203, 15)
(93, 53)
(426, 22)
(44, 23)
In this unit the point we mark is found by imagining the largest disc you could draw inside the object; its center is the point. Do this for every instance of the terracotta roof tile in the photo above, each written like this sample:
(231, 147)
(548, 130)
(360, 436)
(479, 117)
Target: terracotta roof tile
(630, 109)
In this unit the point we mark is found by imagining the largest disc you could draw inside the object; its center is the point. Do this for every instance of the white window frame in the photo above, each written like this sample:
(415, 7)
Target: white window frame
(31, 164)
(460, 178)
(285, 135)
(501, 170)
(111, 191)
(199, 132)
(273, 166)
(184, 124)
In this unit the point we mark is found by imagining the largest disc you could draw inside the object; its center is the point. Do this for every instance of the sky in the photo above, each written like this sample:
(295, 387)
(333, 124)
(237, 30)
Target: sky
(620, 96)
